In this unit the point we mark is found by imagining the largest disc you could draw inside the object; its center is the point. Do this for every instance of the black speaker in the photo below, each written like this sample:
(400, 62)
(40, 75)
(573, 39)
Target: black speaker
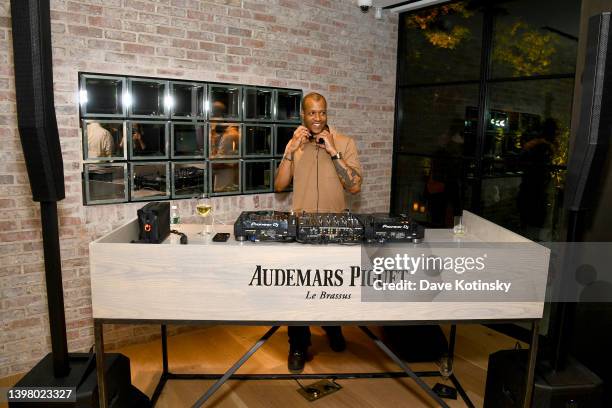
(154, 223)
(593, 135)
(574, 387)
(585, 176)
(416, 343)
(35, 104)
(82, 377)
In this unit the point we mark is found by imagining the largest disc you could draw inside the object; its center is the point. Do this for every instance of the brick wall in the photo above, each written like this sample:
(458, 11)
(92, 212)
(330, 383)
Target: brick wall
(316, 45)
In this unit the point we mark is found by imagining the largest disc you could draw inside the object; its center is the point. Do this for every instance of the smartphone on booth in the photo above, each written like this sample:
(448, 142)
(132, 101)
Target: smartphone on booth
(221, 237)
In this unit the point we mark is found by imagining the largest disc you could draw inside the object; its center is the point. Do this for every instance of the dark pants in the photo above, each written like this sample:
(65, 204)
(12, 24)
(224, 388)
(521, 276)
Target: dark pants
(299, 336)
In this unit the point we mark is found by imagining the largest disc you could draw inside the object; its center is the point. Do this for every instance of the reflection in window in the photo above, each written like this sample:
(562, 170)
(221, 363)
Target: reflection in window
(183, 101)
(258, 104)
(528, 202)
(441, 44)
(225, 176)
(433, 189)
(524, 112)
(410, 186)
(102, 96)
(148, 139)
(436, 120)
(224, 102)
(224, 140)
(189, 179)
(148, 98)
(188, 140)
(288, 105)
(257, 176)
(257, 140)
(103, 139)
(283, 136)
(529, 40)
(105, 183)
(518, 178)
(149, 181)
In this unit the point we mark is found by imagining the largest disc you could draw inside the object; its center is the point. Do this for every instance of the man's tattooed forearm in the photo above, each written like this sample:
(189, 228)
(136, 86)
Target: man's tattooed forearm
(348, 176)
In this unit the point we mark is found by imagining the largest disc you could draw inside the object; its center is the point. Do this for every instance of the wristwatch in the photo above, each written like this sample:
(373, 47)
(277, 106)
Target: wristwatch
(337, 156)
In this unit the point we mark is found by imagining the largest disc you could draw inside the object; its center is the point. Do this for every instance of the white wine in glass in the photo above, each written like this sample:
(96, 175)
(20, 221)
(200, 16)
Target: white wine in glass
(204, 210)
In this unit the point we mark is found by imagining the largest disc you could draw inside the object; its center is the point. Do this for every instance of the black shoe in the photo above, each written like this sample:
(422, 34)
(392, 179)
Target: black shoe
(337, 342)
(296, 360)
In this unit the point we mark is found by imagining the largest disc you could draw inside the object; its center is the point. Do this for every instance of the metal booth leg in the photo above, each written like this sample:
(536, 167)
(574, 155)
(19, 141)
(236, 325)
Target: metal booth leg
(404, 367)
(533, 353)
(234, 368)
(164, 375)
(100, 368)
(451, 354)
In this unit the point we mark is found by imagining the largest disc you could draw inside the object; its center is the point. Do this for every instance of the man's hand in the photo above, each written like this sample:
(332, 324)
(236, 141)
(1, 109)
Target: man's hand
(329, 145)
(300, 136)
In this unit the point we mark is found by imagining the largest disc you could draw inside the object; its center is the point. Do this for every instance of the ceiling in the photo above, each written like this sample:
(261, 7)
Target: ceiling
(389, 4)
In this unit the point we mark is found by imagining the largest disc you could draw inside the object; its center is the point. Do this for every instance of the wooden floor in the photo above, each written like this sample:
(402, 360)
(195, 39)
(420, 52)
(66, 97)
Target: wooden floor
(215, 349)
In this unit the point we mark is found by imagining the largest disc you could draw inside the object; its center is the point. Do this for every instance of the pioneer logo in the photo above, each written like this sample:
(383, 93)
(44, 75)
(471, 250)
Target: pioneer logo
(264, 224)
(386, 226)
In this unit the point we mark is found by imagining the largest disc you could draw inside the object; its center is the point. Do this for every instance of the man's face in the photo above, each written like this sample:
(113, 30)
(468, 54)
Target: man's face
(315, 115)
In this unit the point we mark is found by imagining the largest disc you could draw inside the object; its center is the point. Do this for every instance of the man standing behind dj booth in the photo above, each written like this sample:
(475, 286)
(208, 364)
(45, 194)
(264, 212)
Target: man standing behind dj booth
(323, 164)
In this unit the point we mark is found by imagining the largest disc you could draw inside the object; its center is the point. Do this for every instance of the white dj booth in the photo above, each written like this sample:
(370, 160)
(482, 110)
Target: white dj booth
(222, 283)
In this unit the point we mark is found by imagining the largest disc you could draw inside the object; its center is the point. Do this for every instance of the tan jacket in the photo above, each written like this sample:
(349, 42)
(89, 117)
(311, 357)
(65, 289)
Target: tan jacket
(100, 142)
(316, 185)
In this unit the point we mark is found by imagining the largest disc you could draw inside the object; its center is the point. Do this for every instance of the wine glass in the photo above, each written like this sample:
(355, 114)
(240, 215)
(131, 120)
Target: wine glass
(459, 227)
(205, 210)
(445, 366)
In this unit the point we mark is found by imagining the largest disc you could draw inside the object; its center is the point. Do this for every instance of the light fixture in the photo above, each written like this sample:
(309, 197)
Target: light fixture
(416, 5)
(169, 101)
(378, 13)
(83, 96)
(127, 99)
(364, 5)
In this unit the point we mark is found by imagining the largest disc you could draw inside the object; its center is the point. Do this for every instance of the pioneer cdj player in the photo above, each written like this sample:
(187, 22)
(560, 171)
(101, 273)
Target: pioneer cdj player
(384, 228)
(326, 228)
(265, 226)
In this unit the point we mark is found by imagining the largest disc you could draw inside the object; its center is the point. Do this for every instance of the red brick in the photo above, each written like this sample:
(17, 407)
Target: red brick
(138, 49)
(7, 203)
(212, 47)
(239, 50)
(84, 8)
(171, 32)
(84, 31)
(249, 43)
(105, 22)
(186, 44)
(264, 17)
(224, 39)
(19, 236)
(239, 32)
(120, 35)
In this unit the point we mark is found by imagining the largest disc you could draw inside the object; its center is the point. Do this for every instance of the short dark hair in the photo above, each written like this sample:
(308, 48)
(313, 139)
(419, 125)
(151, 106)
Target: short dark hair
(312, 95)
